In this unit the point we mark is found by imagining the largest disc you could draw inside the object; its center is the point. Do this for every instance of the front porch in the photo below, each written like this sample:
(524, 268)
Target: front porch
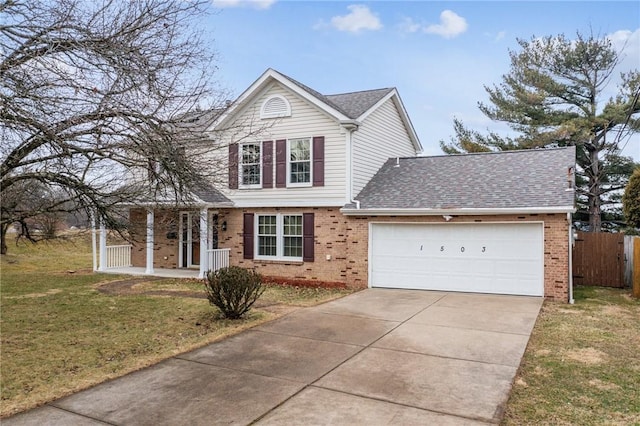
(195, 253)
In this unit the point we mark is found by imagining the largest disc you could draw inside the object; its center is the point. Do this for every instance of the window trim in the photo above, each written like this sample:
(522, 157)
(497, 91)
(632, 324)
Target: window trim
(288, 158)
(279, 238)
(240, 164)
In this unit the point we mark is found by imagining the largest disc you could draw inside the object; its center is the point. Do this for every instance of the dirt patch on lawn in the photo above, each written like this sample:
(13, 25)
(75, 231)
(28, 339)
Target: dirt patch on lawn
(615, 311)
(589, 356)
(570, 311)
(32, 295)
(603, 385)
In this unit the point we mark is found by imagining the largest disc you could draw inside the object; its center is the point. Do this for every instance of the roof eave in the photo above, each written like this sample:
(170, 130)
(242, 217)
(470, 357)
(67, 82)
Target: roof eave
(459, 212)
(172, 204)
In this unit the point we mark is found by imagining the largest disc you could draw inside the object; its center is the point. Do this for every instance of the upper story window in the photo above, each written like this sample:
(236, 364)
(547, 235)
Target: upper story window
(274, 107)
(299, 162)
(250, 165)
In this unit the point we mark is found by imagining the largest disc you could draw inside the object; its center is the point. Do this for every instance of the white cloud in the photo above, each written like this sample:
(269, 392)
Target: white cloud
(451, 25)
(495, 37)
(360, 18)
(255, 4)
(628, 43)
(408, 25)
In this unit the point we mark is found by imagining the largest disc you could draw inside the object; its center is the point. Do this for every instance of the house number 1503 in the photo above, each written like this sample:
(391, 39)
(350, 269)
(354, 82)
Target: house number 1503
(462, 249)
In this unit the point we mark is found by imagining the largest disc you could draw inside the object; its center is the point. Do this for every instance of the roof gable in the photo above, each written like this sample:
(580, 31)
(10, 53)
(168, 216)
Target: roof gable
(343, 107)
(511, 180)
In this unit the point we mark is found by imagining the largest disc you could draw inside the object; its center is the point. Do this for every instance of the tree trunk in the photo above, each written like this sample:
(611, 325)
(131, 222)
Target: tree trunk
(595, 218)
(3, 238)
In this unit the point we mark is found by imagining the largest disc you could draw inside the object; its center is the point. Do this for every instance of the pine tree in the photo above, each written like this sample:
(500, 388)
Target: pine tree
(553, 97)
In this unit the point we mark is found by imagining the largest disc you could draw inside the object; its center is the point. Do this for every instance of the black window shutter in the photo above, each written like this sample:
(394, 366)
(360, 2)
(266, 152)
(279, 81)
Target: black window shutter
(267, 164)
(281, 163)
(233, 166)
(247, 236)
(318, 161)
(308, 237)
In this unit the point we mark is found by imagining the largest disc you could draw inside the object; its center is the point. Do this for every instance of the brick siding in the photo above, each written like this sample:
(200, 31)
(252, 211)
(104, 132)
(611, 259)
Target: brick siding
(341, 245)
(556, 246)
(165, 248)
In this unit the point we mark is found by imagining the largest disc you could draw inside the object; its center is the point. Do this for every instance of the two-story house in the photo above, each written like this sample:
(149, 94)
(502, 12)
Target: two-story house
(331, 190)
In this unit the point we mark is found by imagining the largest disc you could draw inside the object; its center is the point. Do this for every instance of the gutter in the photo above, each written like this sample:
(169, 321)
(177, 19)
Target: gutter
(460, 212)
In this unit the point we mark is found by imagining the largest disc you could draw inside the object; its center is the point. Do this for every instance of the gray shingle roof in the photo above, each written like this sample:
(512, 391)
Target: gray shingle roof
(357, 103)
(209, 194)
(198, 121)
(353, 104)
(505, 180)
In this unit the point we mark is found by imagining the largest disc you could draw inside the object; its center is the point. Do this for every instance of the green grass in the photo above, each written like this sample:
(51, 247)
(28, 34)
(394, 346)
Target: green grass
(59, 334)
(582, 365)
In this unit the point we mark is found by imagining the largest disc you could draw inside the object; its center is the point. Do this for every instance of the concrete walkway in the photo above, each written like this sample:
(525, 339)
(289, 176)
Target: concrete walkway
(377, 357)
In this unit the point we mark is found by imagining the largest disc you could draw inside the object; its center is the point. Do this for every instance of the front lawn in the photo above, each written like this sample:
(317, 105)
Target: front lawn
(60, 334)
(582, 365)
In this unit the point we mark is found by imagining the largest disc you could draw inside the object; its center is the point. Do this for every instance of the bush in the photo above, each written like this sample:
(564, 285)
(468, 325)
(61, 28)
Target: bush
(233, 290)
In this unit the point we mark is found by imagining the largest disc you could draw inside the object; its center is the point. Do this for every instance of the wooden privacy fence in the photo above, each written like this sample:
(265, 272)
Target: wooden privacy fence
(599, 259)
(629, 242)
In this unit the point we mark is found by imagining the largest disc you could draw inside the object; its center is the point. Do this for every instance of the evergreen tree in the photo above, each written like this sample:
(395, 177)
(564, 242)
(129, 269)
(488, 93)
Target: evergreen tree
(631, 200)
(553, 97)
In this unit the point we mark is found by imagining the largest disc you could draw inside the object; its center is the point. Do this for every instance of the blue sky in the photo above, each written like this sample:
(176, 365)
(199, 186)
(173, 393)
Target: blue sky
(438, 54)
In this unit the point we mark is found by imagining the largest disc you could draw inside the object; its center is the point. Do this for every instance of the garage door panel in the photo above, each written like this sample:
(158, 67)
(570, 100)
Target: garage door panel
(488, 258)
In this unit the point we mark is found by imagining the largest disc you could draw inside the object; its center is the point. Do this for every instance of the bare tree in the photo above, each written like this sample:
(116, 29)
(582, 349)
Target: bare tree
(96, 96)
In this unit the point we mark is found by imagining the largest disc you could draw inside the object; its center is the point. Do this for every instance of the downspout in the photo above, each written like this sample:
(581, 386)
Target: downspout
(571, 242)
(350, 127)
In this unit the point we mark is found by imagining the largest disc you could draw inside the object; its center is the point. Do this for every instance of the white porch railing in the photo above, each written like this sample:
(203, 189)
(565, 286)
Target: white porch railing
(218, 258)
(118, 256)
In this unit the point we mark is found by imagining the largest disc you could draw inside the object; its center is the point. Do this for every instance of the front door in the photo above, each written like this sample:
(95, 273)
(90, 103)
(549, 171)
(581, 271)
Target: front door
(189, 239)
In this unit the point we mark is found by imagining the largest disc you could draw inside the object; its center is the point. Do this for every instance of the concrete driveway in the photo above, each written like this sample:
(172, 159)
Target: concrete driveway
(377, 357)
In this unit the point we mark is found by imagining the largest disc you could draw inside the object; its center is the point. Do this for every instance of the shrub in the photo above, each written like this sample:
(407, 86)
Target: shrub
(233, 290)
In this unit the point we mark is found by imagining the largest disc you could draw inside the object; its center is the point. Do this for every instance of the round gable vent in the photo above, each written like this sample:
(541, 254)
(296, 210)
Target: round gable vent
(275, 106)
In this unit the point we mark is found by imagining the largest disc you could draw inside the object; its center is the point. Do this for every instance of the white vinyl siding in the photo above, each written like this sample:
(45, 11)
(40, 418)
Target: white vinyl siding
(381, 136)
(306, 121)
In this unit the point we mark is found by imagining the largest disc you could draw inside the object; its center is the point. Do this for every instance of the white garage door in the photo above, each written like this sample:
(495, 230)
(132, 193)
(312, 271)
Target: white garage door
(479, 257)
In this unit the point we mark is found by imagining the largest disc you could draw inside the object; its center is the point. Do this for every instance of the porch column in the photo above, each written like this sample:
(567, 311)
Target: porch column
(149, 270)
(103, 247)
(204, 231)
(94, 248)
